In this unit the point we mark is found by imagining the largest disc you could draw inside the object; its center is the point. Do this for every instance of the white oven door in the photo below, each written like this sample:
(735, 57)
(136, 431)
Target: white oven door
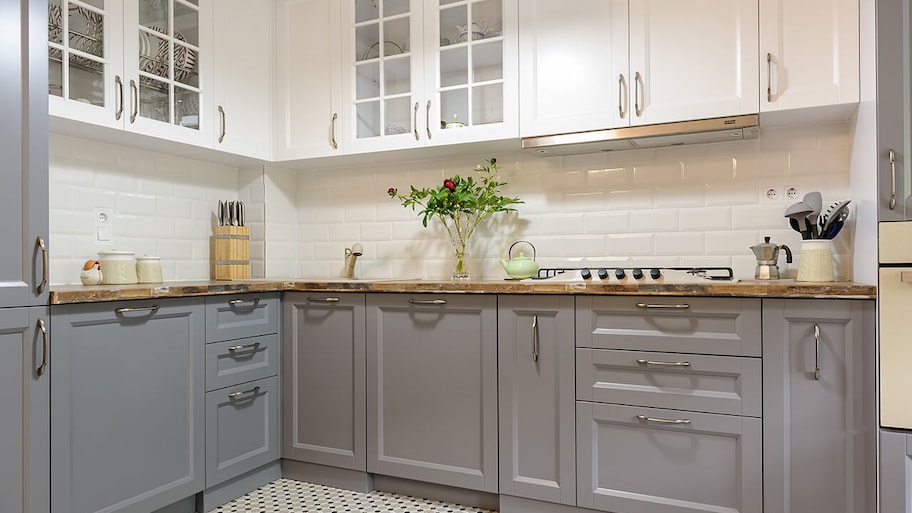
(895, 305)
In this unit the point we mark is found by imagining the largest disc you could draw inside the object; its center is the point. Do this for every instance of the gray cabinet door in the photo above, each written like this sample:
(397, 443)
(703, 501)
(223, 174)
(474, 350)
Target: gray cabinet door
(241, 316)
(24, 147)
(25, 403)
(323, 376)
(127, 411)
(432, 388)
(895, 471)
(242, 429)
(818, 434)
(645, 460)
(536, 390)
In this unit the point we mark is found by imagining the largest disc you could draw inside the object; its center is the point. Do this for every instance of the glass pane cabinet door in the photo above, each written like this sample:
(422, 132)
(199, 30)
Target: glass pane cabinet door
(168, 60)
(382, 90)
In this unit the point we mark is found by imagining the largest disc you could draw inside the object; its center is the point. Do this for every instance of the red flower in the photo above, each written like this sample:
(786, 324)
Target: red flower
(449, 184)
(391, 191)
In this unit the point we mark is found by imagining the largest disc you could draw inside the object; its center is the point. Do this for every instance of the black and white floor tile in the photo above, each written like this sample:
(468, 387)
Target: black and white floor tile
(289, 496)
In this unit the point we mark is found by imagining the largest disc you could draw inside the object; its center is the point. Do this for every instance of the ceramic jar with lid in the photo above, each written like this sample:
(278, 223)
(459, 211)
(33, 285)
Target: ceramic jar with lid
(148, 269)
(117, 267)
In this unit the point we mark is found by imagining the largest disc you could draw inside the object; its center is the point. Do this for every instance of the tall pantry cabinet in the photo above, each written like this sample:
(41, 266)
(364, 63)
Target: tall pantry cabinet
(24, 380)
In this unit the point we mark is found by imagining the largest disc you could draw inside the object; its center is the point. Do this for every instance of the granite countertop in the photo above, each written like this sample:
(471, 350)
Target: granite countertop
(768, 288)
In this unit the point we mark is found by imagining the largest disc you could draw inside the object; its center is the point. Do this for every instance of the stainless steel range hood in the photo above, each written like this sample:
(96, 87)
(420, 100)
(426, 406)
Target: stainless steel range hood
(648, 136)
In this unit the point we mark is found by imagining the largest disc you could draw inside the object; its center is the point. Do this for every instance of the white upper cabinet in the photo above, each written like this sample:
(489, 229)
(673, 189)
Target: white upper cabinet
(142, 66)
(809, 53)
(590, 64)
(308, 79)
(428, 73)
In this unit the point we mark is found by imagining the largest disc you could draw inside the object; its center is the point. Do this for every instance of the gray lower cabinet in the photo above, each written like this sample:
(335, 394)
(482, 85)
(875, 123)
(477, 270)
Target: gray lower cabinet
(537, 397)
(819, 419)
(25, 403)
(432, 388)
(323, 379)
(127, 410)
(895, 471)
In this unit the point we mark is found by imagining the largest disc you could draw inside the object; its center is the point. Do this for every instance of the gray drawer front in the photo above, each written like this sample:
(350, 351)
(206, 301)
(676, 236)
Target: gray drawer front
(711, 464)
(241, 316)
(242, 433)
(713, 384)
(702, 325)
(238, 361)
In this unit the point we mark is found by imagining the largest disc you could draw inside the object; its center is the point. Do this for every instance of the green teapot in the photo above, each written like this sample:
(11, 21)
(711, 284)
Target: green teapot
(522, 266)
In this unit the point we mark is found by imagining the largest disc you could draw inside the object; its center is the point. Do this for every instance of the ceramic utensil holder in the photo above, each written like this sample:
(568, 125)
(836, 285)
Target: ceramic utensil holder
(816, 261)
(231, 253)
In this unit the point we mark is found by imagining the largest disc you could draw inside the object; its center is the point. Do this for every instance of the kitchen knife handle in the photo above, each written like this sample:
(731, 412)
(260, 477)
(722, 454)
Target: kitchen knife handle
(235, 395)
(323, 299)
(658, 420)
(622, 94)
(535, 338)
(428, 301)
(415, 121)
(658, 363)
(221, 112)
(120, 103)
(892, 179)
(769, 77)
(652, 306)
(332, 131)
(134, 101)
(427, 118)
(44, 266)
(45, 340)
(817, 351)
(637, 78)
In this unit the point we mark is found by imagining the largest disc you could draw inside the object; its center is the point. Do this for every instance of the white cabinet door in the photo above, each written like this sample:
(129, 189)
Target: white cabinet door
(308, 79)
(573, 66)
(808, 52)
(692, 60)
(243, 69)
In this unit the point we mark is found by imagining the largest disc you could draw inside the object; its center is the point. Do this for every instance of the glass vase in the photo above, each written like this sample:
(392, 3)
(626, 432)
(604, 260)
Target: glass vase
(460, 244)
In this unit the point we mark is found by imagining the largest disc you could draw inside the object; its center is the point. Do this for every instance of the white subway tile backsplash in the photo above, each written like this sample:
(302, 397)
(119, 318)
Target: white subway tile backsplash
(680, 244)
(605, 222)
(709, 170)
(705, 219)
(683, 195)
(631, 244)
(659, 173)
(655, 220)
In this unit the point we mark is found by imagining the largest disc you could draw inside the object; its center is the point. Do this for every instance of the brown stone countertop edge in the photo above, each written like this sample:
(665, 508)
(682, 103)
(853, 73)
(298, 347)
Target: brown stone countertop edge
(68, 294)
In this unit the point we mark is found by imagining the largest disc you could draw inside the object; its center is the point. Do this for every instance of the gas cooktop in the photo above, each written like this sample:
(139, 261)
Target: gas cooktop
(636, 275)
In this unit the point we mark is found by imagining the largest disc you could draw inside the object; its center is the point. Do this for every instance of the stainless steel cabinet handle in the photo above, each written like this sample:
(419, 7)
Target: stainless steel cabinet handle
(817, 351)
(658, 420)
(238, 302)
(44, 266)
(150, 309)
(769, 77)
(323, 299)
(428, 301)
(332, 131)
(253, 347)
(134, 101)
(44, 347)
(622, 94)
(892, 179)
(427, 118)
(119, 98)
(650, 306)
(534, 338)
(415, 121)
(658, 363)
(221, 112)
(235, 395)
(637, 78)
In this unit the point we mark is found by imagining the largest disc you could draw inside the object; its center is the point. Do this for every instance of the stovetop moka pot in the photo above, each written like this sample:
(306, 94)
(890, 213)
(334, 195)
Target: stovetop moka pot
(767, 255)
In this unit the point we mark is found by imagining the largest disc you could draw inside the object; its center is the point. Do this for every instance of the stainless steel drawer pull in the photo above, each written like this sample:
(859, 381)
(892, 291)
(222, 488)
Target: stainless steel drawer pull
(658, 420)
(252, 347)
(118, 111)
(428, 301)
(769, 77)
(663, 364)
(221, 111)
(238, 302)
(622, 95)
(816, 351)
(44, 266)
(651, 306)
(134, 101)
(332, 131)
(637, 78)
(45, 339)
(150, 309)
(427, 118)
(534, 338)
(323, 299)
(415, 121)
(235, 395)
(892, 179)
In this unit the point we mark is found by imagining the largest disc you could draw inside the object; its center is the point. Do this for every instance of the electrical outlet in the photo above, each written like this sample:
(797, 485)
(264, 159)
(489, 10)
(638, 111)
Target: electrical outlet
(104, 225)
(792, 192)
(770, 193)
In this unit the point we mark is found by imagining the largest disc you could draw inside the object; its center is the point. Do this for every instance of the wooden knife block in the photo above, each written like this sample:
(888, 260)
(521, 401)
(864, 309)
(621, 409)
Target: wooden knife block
(231, 253)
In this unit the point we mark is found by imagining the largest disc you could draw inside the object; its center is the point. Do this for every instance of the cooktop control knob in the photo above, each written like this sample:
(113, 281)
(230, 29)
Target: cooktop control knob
(585, 274)
(602, 273)
(619, 274)
(655, 274)
(637, 273)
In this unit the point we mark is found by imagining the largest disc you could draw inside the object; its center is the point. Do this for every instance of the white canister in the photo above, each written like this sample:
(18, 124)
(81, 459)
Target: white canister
(117, 267)
(148, 269)
(815, 262)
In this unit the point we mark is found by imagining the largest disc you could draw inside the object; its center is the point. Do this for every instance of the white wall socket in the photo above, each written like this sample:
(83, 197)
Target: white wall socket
(792, 192)
(104, 225)
(770, 193)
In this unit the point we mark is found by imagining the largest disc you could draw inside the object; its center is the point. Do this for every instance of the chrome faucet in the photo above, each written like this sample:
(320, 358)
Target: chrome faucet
(351, 256)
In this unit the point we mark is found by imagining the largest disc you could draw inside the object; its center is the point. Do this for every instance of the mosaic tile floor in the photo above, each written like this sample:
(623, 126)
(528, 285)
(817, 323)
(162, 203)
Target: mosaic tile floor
(289, 496)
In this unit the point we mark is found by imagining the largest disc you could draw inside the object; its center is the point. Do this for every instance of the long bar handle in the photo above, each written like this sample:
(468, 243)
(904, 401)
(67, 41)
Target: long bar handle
(816, 351)
(221, 111)
(120, 103)
(659, 420)
(652, 306)
(427, 118)
(150, 309)
(44, 266)
(323, 299)
(769, 77)
(622, 94)
(235, 349)
(892, 179)
(535, 338)
(134, 101)
(235, 395)
(428, 301)
(637, 78)
(332, 131)
(238, 302)
(44, 347)
(415, 121)
(658, 363)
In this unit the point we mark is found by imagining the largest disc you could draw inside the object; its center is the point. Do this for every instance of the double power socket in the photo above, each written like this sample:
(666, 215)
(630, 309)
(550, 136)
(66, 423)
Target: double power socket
(769, 193)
